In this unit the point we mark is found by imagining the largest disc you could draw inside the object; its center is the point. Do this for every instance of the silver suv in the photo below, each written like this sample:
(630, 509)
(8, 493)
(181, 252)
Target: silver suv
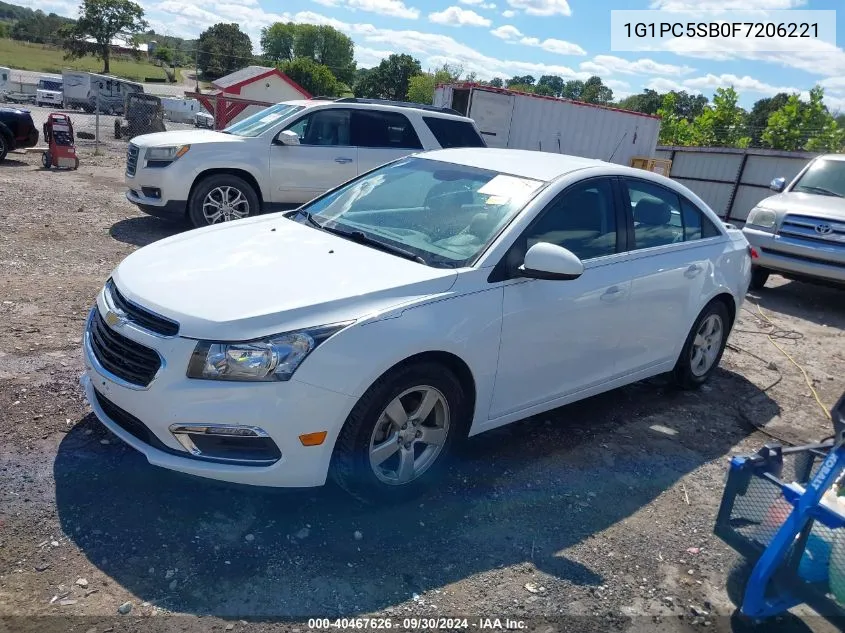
(800, 232)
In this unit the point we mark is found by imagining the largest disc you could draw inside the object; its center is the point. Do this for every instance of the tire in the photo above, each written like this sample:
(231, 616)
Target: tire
(46, 160)
(4, 147)
(213, 189)
(759, 277)
(354, 469)
(693, 370)
(117, 133)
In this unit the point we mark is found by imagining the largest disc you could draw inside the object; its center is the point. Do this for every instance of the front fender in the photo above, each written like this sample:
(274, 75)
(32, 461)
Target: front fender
(467, 326)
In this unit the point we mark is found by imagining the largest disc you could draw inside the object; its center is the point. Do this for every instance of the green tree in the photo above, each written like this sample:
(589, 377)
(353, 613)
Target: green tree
(164, 55)
(721, 124)
(647, 102)
(34, 26)
(5, 29)
(674, 129)
(323, 44)
(101, 21)
(572, 89)
(520, 80)
(804, 125)
(223, 48)
(390, 79)
(314, 77)
(521, 87)
(596, 92)
(497, 82)
(758, 118)
(421, 87)
(550, 85)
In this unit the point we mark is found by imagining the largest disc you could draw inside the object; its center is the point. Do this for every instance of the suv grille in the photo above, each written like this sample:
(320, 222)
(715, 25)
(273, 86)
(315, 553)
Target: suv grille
(131, 159)
(123, 357)
(809, 228)
(140, 316)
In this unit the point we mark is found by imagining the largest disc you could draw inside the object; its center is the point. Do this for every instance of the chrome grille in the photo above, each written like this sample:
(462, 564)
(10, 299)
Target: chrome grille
(121, 356)
(131, 159)
(140, 316)
(810, 228)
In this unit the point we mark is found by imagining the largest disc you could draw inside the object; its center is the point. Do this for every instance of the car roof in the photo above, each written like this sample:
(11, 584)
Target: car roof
(517, 162)
(833, 157)
(389, 106)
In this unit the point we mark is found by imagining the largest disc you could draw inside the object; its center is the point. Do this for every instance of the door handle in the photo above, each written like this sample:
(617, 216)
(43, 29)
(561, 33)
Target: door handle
(342, 160)
(692, 271)
(612, 293)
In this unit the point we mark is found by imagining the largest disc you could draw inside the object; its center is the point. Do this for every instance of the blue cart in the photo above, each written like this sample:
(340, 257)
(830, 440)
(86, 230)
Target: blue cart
(773, 515)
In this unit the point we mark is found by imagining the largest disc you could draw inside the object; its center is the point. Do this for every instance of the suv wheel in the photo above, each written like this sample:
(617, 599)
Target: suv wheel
(759, 277)
(222, 198)
(398, 437)
(4, 147)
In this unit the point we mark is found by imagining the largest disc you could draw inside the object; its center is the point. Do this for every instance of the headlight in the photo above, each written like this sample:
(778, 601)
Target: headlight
(764, 218)
(167, 154)
(273, 358)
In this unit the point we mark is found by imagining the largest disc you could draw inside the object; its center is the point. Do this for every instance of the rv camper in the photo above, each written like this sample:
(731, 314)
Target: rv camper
(518, 120)
(5, 75)
(180, 110)
(86, 90)
(48, 92)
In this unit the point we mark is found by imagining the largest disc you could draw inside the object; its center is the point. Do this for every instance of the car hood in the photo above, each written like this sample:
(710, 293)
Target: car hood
(184, 137)
(828, 207)
(266, 275)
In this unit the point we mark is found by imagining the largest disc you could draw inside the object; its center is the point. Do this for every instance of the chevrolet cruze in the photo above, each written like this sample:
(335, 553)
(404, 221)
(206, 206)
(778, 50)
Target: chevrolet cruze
(366, 333)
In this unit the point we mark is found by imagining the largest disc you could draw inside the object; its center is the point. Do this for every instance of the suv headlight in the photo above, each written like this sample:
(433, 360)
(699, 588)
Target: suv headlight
(166, 154)
(764, 218)
(270, 359)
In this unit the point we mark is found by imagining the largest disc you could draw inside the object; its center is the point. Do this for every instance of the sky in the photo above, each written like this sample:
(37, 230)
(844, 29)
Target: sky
(570, 38)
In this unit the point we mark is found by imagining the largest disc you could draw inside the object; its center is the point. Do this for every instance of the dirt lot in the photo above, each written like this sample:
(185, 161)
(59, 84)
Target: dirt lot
(602, 510)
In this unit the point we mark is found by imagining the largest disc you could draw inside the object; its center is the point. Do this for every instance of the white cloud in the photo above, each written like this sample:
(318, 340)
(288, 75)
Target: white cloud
(513, 35)
(507, 32)
(608, 64)
(508, 13)
(392, 8)
(725, 5)
(455, 16)
(369, 57)
(661, 84)
(742, 84)
(542, 7)
(479, 3)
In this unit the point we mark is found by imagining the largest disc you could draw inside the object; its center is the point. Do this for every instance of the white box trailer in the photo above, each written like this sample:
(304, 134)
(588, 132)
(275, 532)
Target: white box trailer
(518, 120)
(180, 110)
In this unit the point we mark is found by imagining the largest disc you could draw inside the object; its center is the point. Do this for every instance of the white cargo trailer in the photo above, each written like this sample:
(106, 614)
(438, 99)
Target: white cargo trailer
(519, 120)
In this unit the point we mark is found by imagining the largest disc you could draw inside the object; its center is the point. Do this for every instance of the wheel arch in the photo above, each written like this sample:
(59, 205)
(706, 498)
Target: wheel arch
(729, 301)
(7, 136)
(229, 171)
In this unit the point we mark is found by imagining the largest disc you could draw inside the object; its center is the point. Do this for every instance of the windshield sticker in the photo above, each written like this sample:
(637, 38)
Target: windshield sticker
(273, 116)
(496, 201)
(508, 187)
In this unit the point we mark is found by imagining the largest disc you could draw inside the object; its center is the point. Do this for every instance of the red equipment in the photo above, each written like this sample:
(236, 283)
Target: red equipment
(61, 152)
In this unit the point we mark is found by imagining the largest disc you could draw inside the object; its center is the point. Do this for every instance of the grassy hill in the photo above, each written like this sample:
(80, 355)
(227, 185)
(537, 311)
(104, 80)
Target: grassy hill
(49, 59)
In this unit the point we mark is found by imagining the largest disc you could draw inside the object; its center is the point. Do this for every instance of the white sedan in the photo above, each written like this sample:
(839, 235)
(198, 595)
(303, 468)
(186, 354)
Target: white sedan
(365, 334)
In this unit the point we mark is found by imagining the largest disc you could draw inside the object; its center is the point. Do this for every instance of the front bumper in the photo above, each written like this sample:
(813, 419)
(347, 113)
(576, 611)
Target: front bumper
(284, 410)
(791, 256)
(162, 191)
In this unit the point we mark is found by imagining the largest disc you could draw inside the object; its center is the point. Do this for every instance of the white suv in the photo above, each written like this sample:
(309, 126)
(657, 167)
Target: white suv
(282, 156)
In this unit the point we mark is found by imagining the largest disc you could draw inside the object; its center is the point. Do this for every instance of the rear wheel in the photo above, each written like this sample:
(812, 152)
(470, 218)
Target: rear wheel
(222, 198)
(4, 147)
(704, 347)
(398, 438)
(46, 160)
(759, 277)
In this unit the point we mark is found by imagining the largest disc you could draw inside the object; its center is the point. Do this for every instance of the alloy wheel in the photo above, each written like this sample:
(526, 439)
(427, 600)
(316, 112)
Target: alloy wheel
(707, 345)
(224, 204)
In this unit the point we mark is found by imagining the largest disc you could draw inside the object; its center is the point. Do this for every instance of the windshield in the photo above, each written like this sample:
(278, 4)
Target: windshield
(45, 84)
(262, 121)
(824, 177)
(442, 213)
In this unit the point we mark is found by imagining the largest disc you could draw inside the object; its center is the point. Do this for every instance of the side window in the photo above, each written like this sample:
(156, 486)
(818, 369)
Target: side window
(373, 128)
(657, 215)
(697, 226)
(323, 127)
(583, 220)
(452, 133)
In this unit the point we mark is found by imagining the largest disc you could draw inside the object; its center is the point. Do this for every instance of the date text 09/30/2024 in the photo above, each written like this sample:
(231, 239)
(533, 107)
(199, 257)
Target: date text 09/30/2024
(412, 624)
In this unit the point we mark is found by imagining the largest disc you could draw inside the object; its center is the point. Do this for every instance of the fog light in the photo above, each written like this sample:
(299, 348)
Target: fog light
(247, 445)
(151, 192)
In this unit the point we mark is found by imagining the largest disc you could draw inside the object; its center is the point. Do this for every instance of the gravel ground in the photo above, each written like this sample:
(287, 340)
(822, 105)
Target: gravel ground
(601, 511)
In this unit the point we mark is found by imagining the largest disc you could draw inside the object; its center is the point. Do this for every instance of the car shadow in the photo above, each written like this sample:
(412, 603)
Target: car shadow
(518, 495)
(11, 162)
(144, 230)
(820, 304)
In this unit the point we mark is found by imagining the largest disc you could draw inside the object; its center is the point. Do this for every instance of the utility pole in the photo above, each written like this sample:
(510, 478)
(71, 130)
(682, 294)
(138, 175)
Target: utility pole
(197, 67)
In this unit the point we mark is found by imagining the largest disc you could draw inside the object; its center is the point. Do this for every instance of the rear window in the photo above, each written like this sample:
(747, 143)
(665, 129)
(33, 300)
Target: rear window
(451, 133)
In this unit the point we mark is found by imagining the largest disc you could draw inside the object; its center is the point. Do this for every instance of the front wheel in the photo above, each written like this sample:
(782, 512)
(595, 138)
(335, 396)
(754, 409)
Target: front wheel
(759, 277)
(47, 160)
(704, 347)
(222, 198)
(4, 147)
(398, 438)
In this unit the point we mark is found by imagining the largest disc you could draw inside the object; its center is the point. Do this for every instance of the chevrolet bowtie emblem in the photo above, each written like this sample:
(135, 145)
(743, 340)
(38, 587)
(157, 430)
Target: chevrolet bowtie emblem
(115, 319)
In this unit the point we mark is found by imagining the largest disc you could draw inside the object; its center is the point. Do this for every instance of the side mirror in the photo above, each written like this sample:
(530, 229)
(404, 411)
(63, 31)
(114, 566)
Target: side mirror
(778, 184)
(287, 137)
(552, 262)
